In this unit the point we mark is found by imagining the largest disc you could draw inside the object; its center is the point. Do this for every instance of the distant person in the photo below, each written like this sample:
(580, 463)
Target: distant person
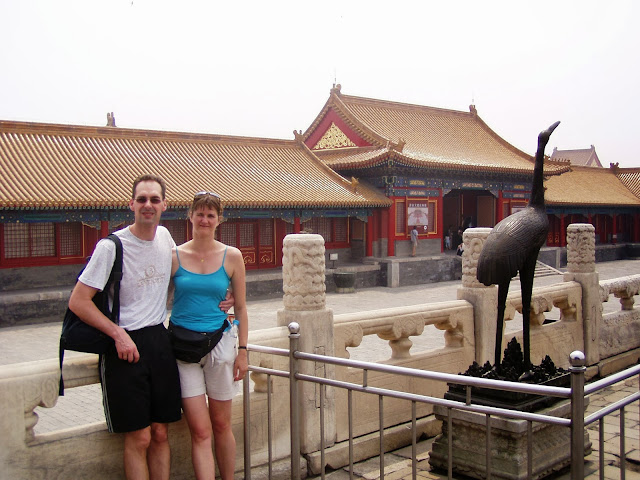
(203, 270)
(414, 240)
(458, 241)
(448, 239)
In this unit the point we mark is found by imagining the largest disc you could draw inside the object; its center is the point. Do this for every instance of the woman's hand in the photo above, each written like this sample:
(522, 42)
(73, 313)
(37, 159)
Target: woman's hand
(241, 365)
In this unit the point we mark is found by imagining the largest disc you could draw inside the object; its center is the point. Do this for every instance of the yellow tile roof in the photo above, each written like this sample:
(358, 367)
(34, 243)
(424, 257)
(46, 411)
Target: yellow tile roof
(64, 166)
(588, 186)
(630, 177)
(434, 138)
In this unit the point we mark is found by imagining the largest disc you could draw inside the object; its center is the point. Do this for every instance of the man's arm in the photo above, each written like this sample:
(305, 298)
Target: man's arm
(81, 303)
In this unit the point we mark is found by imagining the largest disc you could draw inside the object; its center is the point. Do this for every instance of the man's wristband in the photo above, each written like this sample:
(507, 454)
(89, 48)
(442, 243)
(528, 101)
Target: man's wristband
(242, 347)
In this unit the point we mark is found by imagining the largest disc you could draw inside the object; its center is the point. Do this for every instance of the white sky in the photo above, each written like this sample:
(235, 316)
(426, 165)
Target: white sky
(263, 69)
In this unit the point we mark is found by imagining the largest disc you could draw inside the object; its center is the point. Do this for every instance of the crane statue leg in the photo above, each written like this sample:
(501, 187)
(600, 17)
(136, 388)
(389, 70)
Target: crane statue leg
(503, 289)
(526, 286)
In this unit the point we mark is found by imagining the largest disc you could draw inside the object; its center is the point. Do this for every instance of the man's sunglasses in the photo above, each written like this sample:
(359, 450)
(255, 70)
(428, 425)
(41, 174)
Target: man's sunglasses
(142, 200)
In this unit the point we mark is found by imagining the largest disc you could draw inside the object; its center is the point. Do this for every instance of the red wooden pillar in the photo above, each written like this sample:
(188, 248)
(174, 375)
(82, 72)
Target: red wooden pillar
(369, 251)
(604, 225)
(614, 229)
(440, 221)
(104, 228)
(499, 207)
(391, 231)
(563, 231)
(296, 224)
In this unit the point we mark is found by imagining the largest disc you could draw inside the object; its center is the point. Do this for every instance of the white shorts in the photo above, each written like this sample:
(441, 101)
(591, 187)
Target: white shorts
(213, 375)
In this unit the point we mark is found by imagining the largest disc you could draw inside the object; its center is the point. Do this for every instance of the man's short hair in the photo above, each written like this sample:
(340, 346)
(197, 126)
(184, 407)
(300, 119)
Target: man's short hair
(149, 178)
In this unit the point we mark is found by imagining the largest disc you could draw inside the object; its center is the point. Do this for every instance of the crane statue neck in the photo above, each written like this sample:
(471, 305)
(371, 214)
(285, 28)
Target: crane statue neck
(537, 188)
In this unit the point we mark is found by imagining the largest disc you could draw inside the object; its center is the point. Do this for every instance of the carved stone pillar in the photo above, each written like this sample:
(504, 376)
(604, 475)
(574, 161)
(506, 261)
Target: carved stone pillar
(581, 268)
(484, 299)
(303, 267)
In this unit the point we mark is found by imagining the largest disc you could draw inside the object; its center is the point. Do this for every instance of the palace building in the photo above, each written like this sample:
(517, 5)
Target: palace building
(361, 175)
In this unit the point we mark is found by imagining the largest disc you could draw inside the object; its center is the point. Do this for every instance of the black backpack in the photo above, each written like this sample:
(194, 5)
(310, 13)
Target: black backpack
(81, 337)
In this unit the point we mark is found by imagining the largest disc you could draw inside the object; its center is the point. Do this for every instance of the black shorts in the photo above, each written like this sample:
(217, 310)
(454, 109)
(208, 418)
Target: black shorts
(135, 395)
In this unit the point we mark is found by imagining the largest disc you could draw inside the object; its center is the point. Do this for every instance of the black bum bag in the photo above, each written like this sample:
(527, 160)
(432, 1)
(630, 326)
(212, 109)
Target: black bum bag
(190, 346)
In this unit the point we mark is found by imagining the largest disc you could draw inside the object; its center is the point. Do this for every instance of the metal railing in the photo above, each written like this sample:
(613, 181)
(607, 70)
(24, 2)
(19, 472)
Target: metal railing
(576, 394)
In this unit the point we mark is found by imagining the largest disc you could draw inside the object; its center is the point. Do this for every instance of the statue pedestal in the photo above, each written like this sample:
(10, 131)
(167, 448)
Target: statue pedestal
(551, 444)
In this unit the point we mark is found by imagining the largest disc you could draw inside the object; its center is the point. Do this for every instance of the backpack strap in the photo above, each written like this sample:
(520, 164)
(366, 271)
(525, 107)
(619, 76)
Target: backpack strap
(116, 277)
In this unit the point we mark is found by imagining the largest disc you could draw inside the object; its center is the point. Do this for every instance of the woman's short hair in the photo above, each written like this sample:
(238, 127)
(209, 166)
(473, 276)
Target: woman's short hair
(206, 200)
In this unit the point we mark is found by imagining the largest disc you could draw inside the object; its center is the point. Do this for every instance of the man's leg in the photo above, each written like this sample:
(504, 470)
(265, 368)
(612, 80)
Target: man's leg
(159, 453)
(225, 442)
(136, 444)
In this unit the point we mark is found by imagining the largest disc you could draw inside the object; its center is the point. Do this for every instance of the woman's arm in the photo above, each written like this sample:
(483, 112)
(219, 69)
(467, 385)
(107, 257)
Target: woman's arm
(238, 283)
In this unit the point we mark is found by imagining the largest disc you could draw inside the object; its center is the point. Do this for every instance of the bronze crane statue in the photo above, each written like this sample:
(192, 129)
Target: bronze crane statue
(512, 247)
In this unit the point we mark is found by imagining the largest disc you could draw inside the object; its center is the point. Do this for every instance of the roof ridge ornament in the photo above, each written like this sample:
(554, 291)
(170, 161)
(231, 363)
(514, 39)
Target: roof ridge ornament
(473, 110)
(354, 184)
(336, 88)
(111, 119)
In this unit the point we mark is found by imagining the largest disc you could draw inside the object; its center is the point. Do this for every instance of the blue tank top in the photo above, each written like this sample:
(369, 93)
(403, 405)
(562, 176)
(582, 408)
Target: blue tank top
(197, 296)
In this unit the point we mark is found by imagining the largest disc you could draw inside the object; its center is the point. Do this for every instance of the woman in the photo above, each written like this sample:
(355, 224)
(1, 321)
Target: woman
(203, 269)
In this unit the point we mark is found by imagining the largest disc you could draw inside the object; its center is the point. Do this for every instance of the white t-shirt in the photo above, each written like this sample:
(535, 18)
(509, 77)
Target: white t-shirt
(146, 269)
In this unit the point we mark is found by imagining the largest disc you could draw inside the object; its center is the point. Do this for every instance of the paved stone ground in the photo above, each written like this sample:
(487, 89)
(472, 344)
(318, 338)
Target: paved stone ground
(84, 404)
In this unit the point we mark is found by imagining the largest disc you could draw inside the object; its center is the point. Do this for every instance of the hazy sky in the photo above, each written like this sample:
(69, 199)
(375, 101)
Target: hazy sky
(263, 69)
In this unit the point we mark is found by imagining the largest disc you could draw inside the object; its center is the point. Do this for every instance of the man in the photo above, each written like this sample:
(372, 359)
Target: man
(414, 240)
(139, 375)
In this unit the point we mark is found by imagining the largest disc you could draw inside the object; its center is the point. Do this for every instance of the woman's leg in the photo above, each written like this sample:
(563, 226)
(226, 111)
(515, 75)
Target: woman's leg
(225, 442)
(197, 415)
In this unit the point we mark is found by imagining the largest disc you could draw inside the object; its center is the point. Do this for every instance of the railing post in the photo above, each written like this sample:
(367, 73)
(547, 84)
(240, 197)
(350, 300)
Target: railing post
(294, 403)
(484, 299)
(246, 401)
(577, 369)
(581, 268)
(304, 299)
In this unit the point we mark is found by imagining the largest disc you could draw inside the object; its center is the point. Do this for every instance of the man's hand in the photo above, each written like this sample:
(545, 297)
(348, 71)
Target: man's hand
(228, 302)
(126, 348)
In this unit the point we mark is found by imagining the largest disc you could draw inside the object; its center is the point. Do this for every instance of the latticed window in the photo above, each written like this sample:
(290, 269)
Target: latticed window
(266, 233)
(178, 230)
(228, 234)
(321, 226)
(401, 217)
(288, 228)
(432, 219)
(340, 230)
(24, 240)
(16, 240)
(247, 234)
(71, 239)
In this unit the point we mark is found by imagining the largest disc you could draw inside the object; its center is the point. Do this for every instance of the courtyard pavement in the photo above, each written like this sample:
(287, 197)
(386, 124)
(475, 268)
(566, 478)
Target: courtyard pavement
(83, 404)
